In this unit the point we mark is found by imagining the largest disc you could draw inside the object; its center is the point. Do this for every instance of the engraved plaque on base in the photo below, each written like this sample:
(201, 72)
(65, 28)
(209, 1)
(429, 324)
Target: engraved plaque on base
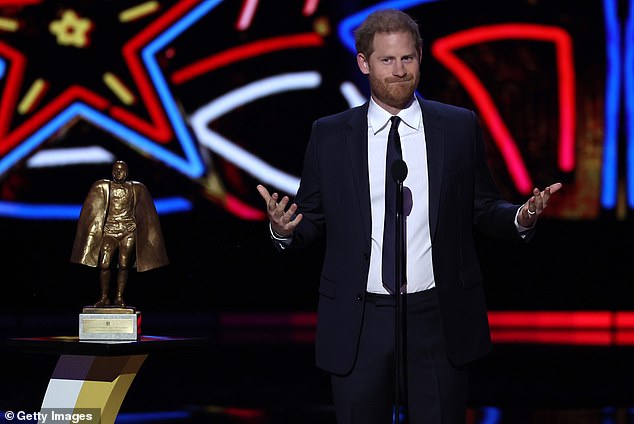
(109, 323)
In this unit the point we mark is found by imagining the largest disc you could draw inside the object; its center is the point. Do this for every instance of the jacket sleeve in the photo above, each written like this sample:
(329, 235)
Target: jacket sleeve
(308, 197)
(493, 215)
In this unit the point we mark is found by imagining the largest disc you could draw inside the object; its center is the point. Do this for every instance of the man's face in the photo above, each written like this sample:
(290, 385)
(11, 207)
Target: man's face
(119, 172)
(393, 69)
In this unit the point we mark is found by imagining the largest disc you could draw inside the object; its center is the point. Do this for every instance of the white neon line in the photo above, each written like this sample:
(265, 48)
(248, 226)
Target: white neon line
(246, 17)
(250, 163)
(70, 156)
(310, 6)
(254, 91)
(237, 98)
(352, 94)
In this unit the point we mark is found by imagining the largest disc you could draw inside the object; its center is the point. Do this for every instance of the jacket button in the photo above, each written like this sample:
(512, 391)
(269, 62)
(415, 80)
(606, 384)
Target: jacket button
(366, 256)
(359, 298)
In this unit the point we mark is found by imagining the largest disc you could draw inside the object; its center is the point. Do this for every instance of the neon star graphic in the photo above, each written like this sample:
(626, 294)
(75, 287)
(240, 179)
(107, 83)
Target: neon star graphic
(45, 91)
(71, 30)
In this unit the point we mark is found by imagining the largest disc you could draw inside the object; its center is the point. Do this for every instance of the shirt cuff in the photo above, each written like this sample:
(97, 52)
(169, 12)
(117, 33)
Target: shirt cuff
(281, 242)
(520, 228)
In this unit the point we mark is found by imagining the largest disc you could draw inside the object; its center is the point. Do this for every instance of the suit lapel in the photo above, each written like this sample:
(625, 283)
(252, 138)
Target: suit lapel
(357, 142)
(434, 139)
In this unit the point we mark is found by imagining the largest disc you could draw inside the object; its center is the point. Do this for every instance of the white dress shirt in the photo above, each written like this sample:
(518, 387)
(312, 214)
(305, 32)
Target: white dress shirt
(420, 273)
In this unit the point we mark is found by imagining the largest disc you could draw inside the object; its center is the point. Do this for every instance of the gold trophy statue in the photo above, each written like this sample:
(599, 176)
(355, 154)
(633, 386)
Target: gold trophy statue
(118, 225)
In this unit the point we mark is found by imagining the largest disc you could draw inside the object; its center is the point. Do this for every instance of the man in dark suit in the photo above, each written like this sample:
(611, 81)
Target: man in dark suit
(449, 193)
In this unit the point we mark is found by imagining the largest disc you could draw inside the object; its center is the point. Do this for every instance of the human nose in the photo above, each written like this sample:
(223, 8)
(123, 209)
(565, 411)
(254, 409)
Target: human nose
(399, 69)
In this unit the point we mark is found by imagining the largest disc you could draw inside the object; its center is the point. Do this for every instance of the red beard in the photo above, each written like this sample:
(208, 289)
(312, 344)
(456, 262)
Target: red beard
(395, 92)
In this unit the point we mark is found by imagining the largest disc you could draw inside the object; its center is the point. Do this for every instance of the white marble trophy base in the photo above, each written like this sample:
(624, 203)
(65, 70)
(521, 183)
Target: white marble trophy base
(109, 324)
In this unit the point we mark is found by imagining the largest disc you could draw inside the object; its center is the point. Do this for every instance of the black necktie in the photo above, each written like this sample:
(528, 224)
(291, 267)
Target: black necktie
(389, 225)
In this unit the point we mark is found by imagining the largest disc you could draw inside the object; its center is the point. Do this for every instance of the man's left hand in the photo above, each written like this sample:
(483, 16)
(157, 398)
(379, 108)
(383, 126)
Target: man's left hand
(536, 205)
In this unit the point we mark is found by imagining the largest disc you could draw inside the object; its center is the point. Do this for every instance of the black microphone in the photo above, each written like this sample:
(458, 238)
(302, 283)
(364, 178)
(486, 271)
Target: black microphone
(399, 170)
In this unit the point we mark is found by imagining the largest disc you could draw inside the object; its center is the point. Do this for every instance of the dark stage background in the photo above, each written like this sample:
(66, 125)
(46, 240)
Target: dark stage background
(294, 54)
(204, 99)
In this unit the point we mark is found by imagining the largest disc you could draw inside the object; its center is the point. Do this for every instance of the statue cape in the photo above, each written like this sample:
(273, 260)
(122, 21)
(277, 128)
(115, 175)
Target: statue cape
(150, 247)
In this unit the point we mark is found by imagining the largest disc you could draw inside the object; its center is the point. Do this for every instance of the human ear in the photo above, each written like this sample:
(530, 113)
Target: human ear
(363, 63)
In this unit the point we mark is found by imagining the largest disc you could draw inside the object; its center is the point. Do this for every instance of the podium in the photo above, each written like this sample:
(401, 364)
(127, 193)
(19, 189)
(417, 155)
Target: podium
(95, 376)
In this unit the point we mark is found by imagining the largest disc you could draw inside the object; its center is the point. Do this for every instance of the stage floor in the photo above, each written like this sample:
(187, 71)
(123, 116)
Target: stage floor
(266, 375)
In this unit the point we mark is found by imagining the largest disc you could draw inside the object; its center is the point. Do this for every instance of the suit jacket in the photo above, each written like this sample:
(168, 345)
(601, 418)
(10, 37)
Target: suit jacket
(334, 198)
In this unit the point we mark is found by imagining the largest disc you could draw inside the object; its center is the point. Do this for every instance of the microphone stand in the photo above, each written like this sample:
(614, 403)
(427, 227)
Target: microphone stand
(399, 173)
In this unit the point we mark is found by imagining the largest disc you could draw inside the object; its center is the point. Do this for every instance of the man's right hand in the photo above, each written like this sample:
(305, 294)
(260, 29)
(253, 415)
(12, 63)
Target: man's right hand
(283, 222)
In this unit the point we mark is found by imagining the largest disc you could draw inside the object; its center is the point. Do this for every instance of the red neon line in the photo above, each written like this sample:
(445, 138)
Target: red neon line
(161, 130)
(246, 51)
(624, 338)
(565, 68)
(591, 328)
(481, 97)
(236, 54)
(19, 2)
(578, 328)
(159, 127)
(310, 6)
(48, 112)
(624, 320)
(304, 319)
(242, 210)
(9, 99)
(444, 51)
(246, 14)
(550, 320)
(579, 338)
(245, 414)
(561, 337)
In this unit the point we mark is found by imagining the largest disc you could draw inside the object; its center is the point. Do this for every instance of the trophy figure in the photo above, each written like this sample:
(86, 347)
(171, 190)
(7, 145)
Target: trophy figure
(118, 225)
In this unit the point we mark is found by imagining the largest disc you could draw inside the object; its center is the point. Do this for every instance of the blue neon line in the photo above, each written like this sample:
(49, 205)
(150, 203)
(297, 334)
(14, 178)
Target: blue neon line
(42, 211)
(150, 417)
(491, 415)
(164, 206)
(130, 136)
(612, 101)
(628, 73)
(192, 166)
(92, 115)
(347, 26)
(170, 205)
(31, 143)
(161, 86)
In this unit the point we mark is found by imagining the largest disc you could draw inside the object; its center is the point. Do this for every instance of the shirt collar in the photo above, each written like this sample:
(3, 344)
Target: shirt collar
(379, 118)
